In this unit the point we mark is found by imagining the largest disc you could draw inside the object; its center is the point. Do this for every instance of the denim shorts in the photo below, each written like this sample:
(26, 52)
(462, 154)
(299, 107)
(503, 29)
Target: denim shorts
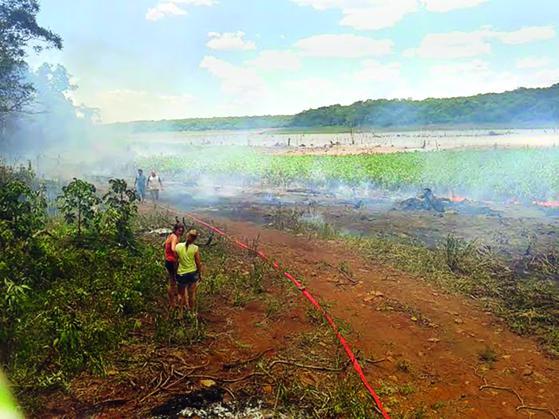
(188, 279)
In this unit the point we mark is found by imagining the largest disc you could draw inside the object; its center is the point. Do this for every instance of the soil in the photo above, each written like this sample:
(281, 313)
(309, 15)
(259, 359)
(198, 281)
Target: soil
(438, 346)
(430, 339)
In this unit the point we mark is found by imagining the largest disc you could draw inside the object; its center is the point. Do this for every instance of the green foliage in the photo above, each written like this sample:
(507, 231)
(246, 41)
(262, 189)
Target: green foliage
(120, 208)
(525, 174)
(77, 203)
(18, 29)
(521, 106)
(516, 108)
(22, 209)
(65, 306)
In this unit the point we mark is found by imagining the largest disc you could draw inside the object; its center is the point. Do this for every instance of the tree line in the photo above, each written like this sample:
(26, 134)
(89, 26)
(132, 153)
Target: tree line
(515, 108)
(518, 108)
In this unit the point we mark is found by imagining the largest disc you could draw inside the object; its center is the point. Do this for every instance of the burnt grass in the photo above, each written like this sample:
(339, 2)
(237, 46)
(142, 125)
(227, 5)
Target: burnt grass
(520, 287)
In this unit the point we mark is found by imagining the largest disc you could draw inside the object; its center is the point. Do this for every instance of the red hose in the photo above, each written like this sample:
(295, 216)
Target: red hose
(315, 303)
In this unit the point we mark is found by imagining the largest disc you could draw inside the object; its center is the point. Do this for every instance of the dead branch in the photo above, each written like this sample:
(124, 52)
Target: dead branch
(344, 273)
(375, 361)
(227, 380)
(309, 367)
(247, 361)
(511, 390)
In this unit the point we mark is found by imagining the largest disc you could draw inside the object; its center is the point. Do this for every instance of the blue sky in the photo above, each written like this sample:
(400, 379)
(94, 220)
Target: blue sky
(157, 59)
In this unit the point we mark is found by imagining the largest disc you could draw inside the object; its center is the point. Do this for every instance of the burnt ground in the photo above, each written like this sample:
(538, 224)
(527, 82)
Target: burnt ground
(509, 229)
(430, 353)
(452, 356)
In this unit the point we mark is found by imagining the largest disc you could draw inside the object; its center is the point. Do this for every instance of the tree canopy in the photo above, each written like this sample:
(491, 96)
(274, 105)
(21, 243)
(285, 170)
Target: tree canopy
(517, 108)
(19, 31)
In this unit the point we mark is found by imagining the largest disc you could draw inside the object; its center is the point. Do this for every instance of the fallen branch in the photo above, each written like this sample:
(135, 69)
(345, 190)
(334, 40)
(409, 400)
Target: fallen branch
(227, 380)
(344, 273)
(309, 367)
(376, 361)
(522, 406)
(247, 361)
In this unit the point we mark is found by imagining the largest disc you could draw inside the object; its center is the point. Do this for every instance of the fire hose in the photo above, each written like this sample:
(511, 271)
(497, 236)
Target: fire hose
(343, 342)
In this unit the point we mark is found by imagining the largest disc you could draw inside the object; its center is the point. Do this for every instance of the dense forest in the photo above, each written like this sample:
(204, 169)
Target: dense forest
(518, 108)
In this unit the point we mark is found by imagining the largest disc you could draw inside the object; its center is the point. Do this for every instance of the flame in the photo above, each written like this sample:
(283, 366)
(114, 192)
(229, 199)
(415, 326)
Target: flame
(457, 199)
(547, 204)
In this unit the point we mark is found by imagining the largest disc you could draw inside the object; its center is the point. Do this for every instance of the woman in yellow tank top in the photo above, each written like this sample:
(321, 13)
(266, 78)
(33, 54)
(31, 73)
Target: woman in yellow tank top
(189, 271)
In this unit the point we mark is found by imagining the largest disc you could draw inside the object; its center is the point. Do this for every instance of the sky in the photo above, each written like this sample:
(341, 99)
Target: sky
(166, 59)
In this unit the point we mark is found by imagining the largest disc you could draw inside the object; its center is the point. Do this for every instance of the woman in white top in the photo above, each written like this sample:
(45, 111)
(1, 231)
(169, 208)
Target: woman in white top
(154, 185)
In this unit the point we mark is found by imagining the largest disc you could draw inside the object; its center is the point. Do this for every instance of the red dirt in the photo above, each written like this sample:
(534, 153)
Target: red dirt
(432, 339)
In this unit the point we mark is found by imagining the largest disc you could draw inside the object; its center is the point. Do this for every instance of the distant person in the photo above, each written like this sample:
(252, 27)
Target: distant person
(189, 271)
(154, 185)
(140, 185)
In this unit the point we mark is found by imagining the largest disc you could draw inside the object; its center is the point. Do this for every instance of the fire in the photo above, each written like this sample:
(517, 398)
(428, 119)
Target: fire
(456, 198)
(547, 204)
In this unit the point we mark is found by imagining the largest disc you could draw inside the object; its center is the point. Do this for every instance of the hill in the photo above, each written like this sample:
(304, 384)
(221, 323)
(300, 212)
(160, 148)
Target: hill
(518, 108)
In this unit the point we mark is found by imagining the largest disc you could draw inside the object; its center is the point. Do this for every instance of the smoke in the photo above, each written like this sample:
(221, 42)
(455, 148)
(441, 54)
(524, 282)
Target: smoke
(61, 139)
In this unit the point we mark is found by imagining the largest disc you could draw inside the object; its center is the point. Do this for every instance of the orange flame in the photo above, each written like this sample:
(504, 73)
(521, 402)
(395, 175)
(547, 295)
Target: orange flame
(457, 199)
(547, 204)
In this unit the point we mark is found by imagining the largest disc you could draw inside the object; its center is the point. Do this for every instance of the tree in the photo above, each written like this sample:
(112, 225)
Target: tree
(77, 203)
(121, 206)
(18, 31)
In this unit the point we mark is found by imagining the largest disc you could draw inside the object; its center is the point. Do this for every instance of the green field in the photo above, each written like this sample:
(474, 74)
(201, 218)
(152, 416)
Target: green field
(522, 174)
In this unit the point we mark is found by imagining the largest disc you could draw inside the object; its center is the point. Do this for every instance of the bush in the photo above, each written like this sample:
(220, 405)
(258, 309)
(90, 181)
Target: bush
(65, 305)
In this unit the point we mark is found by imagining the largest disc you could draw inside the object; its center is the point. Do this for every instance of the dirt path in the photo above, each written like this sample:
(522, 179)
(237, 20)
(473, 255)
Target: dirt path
(432, 341)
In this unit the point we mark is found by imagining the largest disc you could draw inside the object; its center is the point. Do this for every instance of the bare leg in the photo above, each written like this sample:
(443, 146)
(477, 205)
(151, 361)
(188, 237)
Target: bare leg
(192, 296)
(172, 293)
(182, 299)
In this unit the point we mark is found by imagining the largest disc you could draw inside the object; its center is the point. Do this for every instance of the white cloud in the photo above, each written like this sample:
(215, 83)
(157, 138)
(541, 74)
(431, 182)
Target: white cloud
(532, 62)
(242, 82)
(473, 44)
(443, 6)
(379, 14)
(452, 45)
(276, 60)
(366, 14)
(343, 46)
(130, 105)
(229, 41)
(162, 10)
(169, 8)
(526, 35)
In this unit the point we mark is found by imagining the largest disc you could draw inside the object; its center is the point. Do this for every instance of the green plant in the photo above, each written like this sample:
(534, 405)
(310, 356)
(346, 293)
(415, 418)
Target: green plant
(77, 203)
(488, 355)
(403, 365)
(120, 203)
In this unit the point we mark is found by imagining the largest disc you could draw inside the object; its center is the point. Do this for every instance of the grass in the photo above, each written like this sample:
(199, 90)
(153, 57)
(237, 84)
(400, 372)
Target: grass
(521, 174)
(527, 303)
(488, 355)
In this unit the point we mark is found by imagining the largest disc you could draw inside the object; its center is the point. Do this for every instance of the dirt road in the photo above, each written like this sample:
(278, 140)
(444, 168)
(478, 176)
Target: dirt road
(441, 348)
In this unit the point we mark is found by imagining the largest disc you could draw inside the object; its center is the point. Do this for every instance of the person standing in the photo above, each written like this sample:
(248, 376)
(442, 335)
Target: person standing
(154, 185)
(189, 271)
(171, 262)
(140, 185)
